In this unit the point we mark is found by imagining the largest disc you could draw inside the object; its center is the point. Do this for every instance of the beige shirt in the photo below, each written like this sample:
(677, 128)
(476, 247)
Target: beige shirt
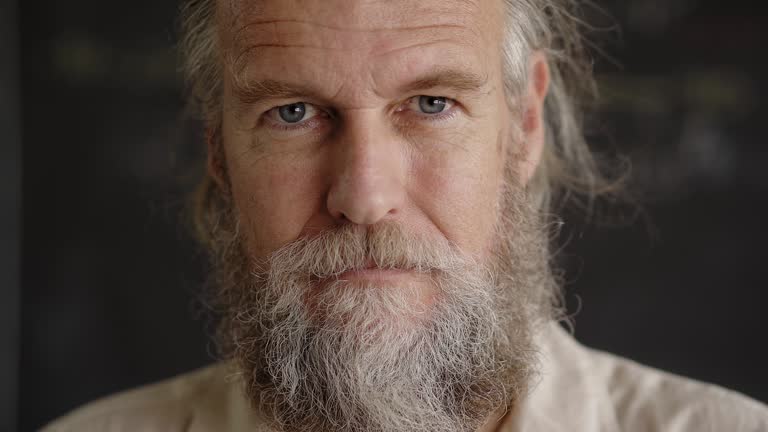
(579, 389)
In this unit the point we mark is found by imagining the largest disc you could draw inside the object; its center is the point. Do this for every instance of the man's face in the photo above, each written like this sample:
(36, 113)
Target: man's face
(361, 113)
(376, 174)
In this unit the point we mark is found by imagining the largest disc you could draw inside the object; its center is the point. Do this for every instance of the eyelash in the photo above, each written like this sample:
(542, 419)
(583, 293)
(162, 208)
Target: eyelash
(313, 122)
(308, 124)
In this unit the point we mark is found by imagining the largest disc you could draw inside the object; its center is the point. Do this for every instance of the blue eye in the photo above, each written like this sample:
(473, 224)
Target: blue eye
(292, 113)
(432, 104)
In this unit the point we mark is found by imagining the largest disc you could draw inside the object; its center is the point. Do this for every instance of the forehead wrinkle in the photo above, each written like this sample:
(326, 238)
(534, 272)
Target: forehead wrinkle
(352, 14)
(359, 19)
(239, 62)
(396, 50)
(275, 22)
(356, 11)
(247, 37)
(265, 22)
(377, 47)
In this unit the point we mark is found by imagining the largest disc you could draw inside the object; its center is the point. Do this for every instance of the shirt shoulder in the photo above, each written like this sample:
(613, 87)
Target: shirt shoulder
(581, 389)
(648, 399)
(207, 399)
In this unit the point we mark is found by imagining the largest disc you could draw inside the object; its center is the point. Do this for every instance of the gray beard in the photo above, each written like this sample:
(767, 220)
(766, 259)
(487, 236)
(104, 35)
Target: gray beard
(347, 356)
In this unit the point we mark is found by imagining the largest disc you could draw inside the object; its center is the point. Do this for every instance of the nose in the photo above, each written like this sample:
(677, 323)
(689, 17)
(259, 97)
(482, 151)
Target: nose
(368, 180)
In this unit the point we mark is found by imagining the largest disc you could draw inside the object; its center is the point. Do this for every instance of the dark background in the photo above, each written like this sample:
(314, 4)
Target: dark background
(106, 275)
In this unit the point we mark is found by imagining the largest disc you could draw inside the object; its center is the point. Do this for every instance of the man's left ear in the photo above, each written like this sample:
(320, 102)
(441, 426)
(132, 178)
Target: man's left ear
(533, 129)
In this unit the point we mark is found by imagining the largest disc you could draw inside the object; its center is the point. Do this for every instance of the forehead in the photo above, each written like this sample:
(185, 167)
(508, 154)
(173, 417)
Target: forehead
(339, 41)
(366, 15)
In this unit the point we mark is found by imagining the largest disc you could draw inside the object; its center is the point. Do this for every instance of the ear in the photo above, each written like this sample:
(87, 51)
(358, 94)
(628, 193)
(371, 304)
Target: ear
(533, 130)
(215, 164)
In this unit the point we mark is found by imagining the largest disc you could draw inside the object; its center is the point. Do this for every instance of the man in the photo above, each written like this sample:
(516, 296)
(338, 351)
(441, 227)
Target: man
(378, 175)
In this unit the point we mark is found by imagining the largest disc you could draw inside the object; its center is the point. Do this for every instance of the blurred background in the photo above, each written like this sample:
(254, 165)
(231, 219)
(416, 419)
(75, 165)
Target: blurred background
(99, 275)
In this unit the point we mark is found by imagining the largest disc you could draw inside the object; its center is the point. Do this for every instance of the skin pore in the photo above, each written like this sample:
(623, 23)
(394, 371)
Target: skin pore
(358, 76)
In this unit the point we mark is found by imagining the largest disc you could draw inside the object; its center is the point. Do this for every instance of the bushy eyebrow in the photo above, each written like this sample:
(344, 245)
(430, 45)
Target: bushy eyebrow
(462, 81)
(252, 92)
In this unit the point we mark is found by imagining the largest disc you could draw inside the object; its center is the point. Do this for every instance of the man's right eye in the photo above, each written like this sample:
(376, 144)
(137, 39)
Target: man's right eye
(292, 114)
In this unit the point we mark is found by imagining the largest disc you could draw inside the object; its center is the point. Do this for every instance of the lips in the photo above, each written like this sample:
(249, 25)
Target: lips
(372, 273)
(418, 285)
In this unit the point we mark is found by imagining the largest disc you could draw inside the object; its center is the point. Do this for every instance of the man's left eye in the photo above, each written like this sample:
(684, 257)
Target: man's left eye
(430, 105)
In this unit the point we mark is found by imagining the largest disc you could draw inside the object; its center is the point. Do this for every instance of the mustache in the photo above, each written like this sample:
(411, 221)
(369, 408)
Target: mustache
(351, 247)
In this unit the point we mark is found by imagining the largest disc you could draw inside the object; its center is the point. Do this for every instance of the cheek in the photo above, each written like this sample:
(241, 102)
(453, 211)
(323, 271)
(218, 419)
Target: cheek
(274, 197)
(459, 189)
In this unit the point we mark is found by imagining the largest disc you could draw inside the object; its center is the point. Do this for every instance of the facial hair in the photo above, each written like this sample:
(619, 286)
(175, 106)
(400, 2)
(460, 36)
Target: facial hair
(321, 353)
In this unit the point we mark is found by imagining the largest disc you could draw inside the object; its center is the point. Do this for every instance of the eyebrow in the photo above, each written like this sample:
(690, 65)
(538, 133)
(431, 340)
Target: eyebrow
(251, 92)
(462, 81)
